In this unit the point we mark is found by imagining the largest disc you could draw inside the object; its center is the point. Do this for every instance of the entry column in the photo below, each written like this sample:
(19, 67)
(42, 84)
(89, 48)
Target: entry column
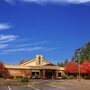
(30, 73)
(56, 73)
(43, 73)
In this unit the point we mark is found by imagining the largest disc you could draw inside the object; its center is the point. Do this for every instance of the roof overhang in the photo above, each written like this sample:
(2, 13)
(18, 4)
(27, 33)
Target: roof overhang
(32, 67)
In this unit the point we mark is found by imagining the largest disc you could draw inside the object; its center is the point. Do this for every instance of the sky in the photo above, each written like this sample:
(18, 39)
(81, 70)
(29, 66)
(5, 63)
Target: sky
(52, 28)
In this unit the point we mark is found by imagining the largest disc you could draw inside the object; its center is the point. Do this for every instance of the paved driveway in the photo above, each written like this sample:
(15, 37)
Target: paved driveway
(16, 88)
(54, 86)
(34, 87)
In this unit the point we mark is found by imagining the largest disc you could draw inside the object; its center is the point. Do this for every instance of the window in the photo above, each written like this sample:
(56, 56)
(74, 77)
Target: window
(59, 74)
(33, 73)
(37, 73)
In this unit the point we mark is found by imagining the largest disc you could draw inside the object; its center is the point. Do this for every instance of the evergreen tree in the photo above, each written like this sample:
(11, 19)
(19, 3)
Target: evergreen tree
(62, 64)
(82, 53)
(58, 63)
(65, 62)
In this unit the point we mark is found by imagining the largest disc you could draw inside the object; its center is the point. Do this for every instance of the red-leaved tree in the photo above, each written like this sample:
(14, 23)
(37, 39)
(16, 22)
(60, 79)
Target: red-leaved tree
(3, 70)
(85, 67)
(71, 67)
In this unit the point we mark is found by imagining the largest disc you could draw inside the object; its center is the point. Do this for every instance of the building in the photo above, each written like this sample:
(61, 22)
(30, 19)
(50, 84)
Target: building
(37, 67)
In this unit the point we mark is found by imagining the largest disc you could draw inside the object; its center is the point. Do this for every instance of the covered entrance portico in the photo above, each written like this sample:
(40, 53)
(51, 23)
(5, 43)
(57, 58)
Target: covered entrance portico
(45, 72)
(49, 74)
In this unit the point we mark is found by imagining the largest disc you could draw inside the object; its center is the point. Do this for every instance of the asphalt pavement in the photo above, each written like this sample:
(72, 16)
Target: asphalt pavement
(34, 87)
(16, 88)
(62, 86)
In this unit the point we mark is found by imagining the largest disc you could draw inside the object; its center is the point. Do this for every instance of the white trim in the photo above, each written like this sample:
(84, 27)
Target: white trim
(9, 88)
(56, 86)
(33, 87)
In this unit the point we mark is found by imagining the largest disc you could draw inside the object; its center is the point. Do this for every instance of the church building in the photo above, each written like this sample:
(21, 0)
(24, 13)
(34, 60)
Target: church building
(37, 67)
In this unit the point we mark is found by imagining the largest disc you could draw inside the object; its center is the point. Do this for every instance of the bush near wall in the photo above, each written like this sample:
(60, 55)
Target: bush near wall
(24, 80)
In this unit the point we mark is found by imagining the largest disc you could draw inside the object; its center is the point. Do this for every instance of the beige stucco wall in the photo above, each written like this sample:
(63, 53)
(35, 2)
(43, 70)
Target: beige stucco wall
(15, 73)
(19, 73)
(24, 73)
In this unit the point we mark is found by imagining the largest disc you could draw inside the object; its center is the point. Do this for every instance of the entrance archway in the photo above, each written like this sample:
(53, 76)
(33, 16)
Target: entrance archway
(50, 74)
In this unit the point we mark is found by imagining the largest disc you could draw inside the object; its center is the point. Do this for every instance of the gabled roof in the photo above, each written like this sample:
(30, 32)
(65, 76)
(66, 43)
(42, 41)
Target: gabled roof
(31, 60)
(28, 61)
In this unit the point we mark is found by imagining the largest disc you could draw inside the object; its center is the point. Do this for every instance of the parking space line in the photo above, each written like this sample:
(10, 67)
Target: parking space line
(9, 88)
(33, 87)
(57, 86)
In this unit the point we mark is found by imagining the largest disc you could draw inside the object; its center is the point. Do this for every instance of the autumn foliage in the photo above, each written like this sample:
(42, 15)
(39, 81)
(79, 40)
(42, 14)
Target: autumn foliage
(71, 67)
(85, 67)
(3, 70)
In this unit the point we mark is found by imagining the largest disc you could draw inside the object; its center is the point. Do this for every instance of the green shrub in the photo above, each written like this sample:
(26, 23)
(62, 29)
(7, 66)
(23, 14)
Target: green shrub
(79, 77)
(56, 78)
(64, 76)
(1, 75)
(24, 80)
(48, 77)
(71, 77)
(36, 76)
(85, 77)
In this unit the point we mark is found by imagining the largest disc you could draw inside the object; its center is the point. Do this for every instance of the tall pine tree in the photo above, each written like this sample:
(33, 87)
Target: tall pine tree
(82, 53)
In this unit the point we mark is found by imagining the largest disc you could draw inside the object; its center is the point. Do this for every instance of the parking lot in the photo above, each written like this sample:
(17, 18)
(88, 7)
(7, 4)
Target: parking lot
(65, 85)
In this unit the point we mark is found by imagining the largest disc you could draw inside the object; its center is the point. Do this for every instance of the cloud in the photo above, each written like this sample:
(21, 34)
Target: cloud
(29, 49)
(7, 38)
(4, 41)
(7, 46)
(50, 49)
(57, 1)
(48, 1)
(4, 26)
(3, 53)
(23, 49)
(3, 46)
(32, 44)
(10, 1)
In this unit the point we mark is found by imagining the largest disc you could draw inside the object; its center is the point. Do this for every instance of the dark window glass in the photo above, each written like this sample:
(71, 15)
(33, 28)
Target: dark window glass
(33, 73)
(37, 73)
(59, 74)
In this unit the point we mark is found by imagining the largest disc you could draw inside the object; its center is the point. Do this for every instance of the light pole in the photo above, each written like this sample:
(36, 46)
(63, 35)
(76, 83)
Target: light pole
(78, 58)
(89, 55)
